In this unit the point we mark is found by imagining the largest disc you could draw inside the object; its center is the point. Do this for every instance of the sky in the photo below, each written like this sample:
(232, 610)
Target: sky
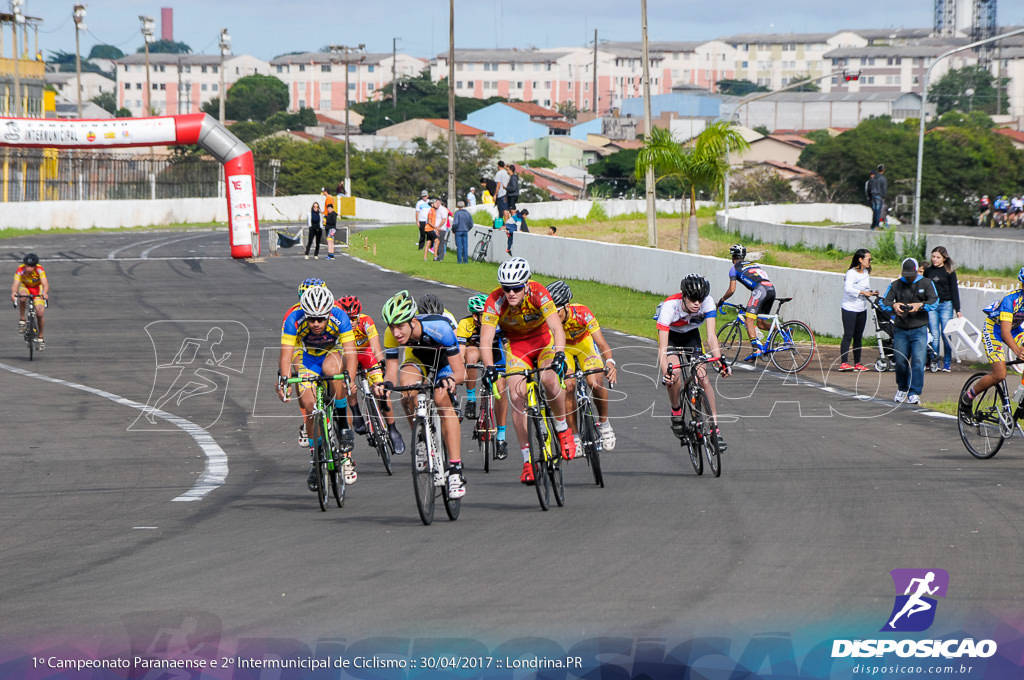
(268, 28)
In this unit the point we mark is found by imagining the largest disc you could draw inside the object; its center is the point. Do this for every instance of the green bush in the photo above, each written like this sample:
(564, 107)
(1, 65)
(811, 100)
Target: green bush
(914, 250)
(483, 217)
(597, 212)
(884, 249)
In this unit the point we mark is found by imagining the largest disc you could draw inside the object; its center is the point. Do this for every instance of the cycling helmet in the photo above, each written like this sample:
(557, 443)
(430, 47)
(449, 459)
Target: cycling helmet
(317, 301)
(399, 308)
(429, 304)
(310, 283)
(561, 293)
(349, 304)
(476, 303)
(514, 271)
(1020, 275)
(695, 287)
(31, 259)
(738, 251)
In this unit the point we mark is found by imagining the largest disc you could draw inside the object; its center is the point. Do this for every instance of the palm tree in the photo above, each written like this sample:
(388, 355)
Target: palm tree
(703, 162)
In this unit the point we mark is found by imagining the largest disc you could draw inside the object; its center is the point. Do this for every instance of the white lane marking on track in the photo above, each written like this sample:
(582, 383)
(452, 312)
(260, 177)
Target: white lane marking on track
(112, 255)
(179, 258)
(145, 253)
(216, 460)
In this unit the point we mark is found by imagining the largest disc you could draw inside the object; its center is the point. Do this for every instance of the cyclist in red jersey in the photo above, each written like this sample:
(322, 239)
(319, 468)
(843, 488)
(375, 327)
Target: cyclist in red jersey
(30, 279)
(527, 316)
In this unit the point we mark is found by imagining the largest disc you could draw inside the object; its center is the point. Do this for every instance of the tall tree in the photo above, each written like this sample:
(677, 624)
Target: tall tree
(256, 97)
(971, 88)
(166, 47)
(105, 52)
(739, 88)
(418, 97)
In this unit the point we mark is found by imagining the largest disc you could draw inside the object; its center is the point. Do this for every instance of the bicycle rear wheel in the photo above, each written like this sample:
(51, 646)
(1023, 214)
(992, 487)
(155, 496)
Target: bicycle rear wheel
(792, 346)
(337, 481)
(730, 339)
(554, 465)
(537, 443)
(705, 434)
(982, 434)
(590, 437)
(688, 439)
(484, 427)
(422, 479)
(320, 463)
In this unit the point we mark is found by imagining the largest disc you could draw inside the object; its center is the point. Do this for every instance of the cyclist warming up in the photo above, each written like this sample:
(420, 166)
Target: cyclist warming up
(30, 279)
(370, 357)
(585, 343)
(317, 339)
(762, 295)
(468, 334)
(525, 313)
(431, 350)
(679, 321)
(1002, 328)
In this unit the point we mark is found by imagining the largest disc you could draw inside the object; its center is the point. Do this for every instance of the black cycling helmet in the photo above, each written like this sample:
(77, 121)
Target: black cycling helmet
(561, 293)
(738, 251)
(31, 259)
(695, 287)
(429, 304)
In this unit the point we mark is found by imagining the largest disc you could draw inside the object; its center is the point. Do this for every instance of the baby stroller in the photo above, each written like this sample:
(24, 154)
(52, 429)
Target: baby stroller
(885, 329)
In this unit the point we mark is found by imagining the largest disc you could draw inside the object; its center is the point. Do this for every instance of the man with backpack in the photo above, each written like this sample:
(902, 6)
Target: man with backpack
(512, 190)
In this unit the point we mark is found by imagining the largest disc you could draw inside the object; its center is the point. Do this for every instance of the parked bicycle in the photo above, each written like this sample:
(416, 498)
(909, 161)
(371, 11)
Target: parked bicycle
(31, 331)
(482, 247)
(993, 417)
(545, 450)
(485, 429)
(430, 455)
(586, 422)
(377, 435)
(790, 344)
(327, 458)
(699, 427)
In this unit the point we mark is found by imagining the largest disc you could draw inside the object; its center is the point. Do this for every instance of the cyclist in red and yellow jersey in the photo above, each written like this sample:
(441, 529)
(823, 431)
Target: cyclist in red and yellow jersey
(524, 311)
(30, 279)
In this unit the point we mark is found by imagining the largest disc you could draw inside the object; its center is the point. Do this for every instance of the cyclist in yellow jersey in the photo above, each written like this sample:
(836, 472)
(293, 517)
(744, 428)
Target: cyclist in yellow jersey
(468, 334)
(30, 279)
(585, 343)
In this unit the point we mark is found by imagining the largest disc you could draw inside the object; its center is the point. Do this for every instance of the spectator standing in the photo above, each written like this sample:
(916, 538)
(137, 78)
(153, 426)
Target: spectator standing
(867, 187)
(462, 224)
(854, 307)
(511, 225)
(911, 296)
(442, 223)
(878, 188)
(942, 273)
(313, 222)
(422, 213)
(501, 191)
(328, 199)
(471, 197)
(330, 227)
(512, 190)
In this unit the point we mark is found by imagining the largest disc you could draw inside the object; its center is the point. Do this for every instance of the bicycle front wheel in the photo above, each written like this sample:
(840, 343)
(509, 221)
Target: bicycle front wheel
(484, 428)
(591, 437)
(689, 439)
(706, 436)
(320, 463)
(792, 346)
(378, 428)
(537, 436)
(554, 465)
(422, 474)
(730, 339)
(452, 506)
(982, 429)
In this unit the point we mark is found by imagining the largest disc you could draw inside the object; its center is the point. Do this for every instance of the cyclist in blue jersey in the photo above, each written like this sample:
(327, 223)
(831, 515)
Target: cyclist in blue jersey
(317, 339)
(431, 351)
(1004, 326)
(762, 295)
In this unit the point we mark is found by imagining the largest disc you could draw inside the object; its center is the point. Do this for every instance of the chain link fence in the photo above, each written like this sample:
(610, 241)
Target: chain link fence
(68, 175)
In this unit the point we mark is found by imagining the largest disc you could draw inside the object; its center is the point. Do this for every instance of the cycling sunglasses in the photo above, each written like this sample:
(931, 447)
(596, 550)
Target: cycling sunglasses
(513, 289)
(317, 319)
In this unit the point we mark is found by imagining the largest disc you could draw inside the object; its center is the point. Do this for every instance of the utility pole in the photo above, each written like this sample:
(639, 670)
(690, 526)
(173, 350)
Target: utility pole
(394, 73)
(79, 15)
(147, 35)
(451, 105)
(652, 226)
(225, 50)
(596, 99)
(19, 18)
(346, 49)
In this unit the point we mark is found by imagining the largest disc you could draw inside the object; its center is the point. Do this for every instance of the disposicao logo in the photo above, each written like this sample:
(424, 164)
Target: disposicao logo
(914, 611)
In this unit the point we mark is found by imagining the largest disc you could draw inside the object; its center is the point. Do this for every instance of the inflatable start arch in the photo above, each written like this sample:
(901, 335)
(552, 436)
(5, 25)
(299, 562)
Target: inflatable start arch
(195, 128)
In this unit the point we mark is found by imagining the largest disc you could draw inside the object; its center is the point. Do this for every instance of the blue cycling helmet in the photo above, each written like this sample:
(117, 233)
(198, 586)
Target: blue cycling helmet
(310, 283)
(1020, 275)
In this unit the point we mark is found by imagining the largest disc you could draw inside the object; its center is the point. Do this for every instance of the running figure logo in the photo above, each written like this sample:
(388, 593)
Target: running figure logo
(916, 589)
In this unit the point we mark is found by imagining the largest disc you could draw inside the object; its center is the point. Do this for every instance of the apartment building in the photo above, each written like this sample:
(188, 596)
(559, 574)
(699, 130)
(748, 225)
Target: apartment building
(774, 60)
(892, 68)
(93, 84)
(316, 80)
(179, 83)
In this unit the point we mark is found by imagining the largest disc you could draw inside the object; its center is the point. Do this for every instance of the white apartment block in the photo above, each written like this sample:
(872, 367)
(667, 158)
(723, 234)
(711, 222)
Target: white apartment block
(893, 68)
(316, 80)
(179, 83)
(775, 60)
(93, 84)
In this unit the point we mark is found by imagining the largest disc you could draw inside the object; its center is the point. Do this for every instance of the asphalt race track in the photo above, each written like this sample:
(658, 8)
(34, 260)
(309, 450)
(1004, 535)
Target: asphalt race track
(119, 531)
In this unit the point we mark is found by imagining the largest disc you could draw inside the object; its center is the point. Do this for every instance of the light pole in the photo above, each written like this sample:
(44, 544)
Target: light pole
(225, 50)
(79, 14)
(451, 105)
(394, 73)
(19, 18)
(337, 49)
(652, 225)
(924, 97)
(147, 36)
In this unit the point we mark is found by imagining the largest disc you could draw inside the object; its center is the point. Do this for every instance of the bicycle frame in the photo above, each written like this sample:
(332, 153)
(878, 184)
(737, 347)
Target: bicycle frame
(327, 446)
(31, 332)
(546, 462)
(699, 433)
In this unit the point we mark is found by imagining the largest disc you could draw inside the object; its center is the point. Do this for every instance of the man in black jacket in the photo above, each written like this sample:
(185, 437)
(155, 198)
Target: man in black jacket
(911, 297)
(878, 187)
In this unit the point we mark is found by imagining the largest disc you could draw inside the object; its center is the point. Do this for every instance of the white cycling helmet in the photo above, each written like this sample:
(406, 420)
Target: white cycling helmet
(514, 271)
(317, 301)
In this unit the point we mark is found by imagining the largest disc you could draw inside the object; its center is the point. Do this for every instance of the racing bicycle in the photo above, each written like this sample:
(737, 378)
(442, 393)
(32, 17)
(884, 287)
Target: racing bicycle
(430, 455)
(31, 331)
(790, 344)
(377, 435)
(482, 246)
(586, 422)
(993, 417)
(545, 449)
(485, 429)
(699, 427)
(327, 457)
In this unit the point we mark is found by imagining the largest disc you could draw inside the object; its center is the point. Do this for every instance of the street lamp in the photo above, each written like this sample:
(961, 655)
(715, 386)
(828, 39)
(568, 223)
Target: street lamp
(652, 215)
(924, 97)
(225, 50)
(19, 18)
(147, 34)
(338, 49)
(79, 14)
